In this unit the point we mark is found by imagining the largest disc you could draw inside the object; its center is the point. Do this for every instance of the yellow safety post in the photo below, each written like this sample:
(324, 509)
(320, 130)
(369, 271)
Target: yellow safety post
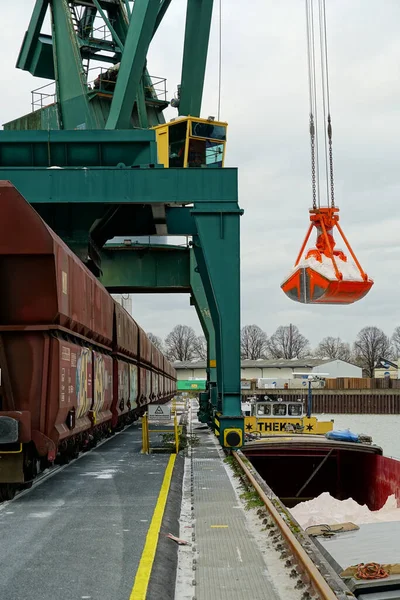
(176, 433)
(145, 434)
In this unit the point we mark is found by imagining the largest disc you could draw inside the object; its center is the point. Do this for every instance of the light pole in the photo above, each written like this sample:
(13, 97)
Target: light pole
(309, 397)
(311, 379)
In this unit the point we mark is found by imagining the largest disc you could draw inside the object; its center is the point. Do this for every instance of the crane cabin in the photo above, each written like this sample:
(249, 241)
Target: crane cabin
(191, 142)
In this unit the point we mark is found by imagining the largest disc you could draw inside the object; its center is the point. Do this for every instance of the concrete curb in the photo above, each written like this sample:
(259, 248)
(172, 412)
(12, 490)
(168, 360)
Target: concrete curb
(163, 575)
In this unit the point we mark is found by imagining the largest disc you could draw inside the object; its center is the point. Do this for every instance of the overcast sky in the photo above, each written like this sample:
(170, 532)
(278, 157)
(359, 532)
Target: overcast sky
(265, 101)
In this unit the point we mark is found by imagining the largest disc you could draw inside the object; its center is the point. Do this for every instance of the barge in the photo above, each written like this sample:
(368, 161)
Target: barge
(299, 465)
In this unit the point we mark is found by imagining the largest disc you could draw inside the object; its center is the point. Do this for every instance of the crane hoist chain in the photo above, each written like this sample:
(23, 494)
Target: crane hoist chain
(313, 173)
(331, 162)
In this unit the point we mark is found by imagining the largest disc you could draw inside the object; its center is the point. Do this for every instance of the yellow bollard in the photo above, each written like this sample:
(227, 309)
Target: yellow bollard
(145, 434)
(176, 433)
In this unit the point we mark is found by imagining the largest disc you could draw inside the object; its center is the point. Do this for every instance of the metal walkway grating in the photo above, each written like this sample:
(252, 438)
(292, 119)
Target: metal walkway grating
(230, 565)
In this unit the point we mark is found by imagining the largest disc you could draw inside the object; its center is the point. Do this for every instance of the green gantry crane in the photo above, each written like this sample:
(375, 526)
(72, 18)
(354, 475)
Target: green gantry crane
(96, 159)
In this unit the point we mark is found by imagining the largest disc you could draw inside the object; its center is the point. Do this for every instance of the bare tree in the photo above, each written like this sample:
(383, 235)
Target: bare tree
(253, 342)
(156, 341)
(200, 347)
(181, 343)
(396, 342)
(371, 344)
(288, 342)
(334, 348)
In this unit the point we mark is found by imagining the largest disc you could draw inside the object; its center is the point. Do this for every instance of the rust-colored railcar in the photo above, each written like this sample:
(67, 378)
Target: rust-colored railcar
(126, 333)
(42, 281)
(145, 347)
(75, 366)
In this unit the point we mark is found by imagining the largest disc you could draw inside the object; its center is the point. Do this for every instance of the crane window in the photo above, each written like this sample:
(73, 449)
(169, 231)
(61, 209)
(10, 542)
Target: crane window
(279, 410)
(177, 141)
(295, 410)
(197, 153)
(214, 154)
(208, 130)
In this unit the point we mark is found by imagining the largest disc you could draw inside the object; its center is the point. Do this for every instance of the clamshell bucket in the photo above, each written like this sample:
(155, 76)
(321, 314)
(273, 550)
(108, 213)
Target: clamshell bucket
(326, 275)
(310, 287)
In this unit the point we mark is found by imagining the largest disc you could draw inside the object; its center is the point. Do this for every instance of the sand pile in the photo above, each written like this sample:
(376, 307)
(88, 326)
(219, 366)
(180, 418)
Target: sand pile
(326, 509)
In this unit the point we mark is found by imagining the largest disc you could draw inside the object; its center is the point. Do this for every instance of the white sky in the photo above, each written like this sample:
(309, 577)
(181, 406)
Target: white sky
(265, 101)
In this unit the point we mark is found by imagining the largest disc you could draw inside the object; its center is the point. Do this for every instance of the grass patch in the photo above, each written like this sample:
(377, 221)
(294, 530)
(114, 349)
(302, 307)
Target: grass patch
(185, 440)
(251, 499)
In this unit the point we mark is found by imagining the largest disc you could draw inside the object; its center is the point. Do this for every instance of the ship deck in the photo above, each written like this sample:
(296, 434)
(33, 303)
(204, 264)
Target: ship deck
(292, 443)
(372, 542)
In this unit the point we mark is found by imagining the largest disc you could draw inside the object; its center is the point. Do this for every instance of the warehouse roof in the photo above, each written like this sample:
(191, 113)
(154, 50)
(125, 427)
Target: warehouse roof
(284, 363)
(278, 363)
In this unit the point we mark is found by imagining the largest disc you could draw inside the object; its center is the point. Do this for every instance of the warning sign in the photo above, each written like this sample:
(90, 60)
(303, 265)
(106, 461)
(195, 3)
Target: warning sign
(159, 412)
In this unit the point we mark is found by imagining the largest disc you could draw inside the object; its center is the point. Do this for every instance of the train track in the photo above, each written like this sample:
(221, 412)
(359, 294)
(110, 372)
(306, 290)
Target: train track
(313, 572)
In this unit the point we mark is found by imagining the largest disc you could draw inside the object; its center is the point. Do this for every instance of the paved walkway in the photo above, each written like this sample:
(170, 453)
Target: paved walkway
(80, 534)
(230, 565)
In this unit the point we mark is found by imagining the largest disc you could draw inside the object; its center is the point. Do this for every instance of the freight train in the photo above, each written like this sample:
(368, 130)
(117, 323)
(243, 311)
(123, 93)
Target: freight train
(75, 366)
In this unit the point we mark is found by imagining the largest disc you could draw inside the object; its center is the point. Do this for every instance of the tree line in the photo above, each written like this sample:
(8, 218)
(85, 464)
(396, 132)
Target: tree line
(371, 344)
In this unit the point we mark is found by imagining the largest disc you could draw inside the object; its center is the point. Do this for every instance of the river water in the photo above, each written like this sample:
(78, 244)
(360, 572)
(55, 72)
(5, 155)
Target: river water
(384, 429)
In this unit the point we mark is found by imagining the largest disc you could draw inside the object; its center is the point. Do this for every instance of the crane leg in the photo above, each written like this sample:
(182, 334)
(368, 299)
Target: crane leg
(208, 399)
(217, 252)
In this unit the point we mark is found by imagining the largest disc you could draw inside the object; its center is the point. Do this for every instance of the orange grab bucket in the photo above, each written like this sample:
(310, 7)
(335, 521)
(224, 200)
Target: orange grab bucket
(325, 276)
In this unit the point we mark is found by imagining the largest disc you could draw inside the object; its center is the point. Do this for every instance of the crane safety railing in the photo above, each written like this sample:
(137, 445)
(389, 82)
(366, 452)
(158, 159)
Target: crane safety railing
(99, 81)
(102, 32)
(97, 31)
(43, 96)
(103, 80)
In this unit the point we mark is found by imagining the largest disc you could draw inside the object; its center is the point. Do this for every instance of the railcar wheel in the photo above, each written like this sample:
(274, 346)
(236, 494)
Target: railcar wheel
(7, 491)
(63, 458)
(31, 466)
(74, 453)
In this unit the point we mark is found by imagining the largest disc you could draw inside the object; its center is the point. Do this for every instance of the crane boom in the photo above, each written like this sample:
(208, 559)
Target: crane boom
(88, 35)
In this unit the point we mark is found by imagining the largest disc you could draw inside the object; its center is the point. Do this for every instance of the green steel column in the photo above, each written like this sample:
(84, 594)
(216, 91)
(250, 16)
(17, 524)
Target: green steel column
(197, 34)
(204, 313)
(217, 250)
(133, 60)
(164, 4)
(208, 399)
(141, 108)
(70, 77)
(29, 44)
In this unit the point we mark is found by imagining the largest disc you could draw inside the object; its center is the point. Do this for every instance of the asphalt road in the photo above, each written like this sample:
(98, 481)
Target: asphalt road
(80, 535)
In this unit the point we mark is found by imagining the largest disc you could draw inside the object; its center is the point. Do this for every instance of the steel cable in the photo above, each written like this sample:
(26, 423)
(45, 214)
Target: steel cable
(313, 98)
(219, 60)
(313, 104)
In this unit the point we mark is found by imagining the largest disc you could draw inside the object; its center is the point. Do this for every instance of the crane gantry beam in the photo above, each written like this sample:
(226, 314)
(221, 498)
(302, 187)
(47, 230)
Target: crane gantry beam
(97, 160)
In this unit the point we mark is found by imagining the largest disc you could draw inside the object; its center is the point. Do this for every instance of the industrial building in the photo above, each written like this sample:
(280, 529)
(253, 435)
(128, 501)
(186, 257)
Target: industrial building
(275, 368)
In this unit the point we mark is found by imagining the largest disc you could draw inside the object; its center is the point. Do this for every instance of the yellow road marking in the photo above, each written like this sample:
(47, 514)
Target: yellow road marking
(142, 578)
(219, 526)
